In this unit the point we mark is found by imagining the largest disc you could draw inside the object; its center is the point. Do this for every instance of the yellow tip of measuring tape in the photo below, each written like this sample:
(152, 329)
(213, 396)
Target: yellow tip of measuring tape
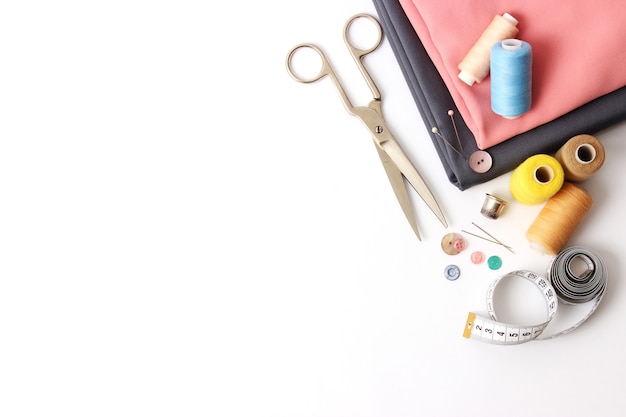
(469, 324)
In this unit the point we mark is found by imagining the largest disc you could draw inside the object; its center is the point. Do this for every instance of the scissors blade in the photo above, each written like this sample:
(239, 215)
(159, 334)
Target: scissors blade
(399, 188)
(404, 165)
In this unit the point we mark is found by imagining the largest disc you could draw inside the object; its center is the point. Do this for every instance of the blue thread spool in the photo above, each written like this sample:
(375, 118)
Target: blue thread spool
(511, 78)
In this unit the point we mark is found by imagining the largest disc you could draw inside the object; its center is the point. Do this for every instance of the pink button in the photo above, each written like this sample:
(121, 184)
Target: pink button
(459, 245)
(477, 257)
(480, 162)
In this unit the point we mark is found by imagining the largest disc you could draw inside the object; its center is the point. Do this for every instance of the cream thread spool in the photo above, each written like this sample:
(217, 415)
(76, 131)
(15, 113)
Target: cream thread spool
(581, 157)
(536, 179)
(475, 65)
(558, 219)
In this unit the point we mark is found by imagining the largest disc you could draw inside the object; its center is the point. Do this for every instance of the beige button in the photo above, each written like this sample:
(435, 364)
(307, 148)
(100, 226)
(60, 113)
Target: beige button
(453, 243)
(480, 161)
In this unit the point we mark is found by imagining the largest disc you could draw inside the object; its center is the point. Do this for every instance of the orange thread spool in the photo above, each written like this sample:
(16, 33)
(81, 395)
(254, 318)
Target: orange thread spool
(558, 219)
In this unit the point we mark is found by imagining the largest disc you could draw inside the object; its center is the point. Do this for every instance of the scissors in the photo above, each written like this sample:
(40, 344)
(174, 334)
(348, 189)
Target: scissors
(396, 163)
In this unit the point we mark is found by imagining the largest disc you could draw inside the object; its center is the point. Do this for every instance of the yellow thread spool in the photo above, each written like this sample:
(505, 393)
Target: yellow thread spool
(475, 65)
(581, 157)
(536, 179)
(558, 219)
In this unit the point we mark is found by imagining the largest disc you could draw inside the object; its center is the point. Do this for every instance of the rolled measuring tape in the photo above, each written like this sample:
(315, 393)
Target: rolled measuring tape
(578, 276)
(575, 276)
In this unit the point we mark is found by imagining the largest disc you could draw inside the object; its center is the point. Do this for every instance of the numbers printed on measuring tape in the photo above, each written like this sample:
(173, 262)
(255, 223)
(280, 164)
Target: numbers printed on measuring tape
(560, 284)
(499, 333)
(492, 331)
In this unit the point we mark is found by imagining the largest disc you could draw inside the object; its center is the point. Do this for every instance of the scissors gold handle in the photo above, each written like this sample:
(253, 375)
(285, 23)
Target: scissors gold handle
(327, 70)
(396, 163)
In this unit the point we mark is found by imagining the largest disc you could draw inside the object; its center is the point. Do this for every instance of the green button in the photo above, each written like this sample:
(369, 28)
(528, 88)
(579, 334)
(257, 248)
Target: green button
(494, 262)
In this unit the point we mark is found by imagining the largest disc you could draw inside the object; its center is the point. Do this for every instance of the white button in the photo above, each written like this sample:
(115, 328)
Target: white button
(480, 161)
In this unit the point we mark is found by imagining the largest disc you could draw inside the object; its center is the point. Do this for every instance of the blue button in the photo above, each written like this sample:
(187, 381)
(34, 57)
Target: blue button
(452, 272)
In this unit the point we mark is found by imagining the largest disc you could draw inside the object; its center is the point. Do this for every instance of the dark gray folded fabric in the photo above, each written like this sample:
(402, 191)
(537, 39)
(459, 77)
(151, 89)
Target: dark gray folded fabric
(433, 101)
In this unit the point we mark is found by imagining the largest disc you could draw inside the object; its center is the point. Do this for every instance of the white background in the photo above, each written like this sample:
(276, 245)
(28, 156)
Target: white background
(186, 231)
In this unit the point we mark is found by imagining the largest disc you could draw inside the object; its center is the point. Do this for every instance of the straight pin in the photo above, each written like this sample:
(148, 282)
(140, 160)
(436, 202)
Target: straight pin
(436, 132)
(456, 132)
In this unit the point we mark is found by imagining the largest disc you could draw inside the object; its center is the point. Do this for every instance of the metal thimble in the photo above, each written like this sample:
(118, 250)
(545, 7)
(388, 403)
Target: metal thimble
(492, 206)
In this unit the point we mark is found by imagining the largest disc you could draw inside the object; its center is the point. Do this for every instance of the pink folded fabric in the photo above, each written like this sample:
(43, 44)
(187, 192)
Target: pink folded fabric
(578, 51)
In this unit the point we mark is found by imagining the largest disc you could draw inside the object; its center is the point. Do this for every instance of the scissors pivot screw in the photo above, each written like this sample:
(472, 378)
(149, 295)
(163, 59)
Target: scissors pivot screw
(396, 163)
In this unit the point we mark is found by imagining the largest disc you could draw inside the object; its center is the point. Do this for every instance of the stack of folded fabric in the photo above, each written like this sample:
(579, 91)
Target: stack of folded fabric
(578, 81)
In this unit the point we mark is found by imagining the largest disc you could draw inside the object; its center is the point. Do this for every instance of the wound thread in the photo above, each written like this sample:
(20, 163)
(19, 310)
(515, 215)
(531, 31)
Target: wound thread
(581, 157)
(511, 78)
(558, 219)
(536, 179)
(475, 65)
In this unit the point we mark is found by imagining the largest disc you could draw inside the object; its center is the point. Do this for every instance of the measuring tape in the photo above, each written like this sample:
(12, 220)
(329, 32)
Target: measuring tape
(576, 275)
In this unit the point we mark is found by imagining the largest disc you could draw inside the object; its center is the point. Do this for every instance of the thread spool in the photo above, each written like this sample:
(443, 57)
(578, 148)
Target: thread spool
(475, 65)
(581, 157)
(536, 179)
(511, 78)
(558, 219)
